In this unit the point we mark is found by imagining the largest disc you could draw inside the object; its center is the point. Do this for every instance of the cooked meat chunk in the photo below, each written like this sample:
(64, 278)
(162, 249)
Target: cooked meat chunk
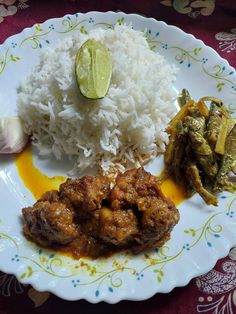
(117, 227)
(91, 225)
(85, 245)
(49, 223)
(132, 185)
(88, 217)
(86, 194)
(158, 219)
(156, 214)
(159, 216)
(51, 196)
(141, 244)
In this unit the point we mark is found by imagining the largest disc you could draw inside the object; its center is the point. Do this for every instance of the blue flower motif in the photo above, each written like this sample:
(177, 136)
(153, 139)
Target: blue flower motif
(15, 258)
(75, 282)
(110, 289)
(230, 214)
(14, 44)
(186, 246)
(139, 276)
(165, 46)
(204, 60)
(91, 20)
(51, 27)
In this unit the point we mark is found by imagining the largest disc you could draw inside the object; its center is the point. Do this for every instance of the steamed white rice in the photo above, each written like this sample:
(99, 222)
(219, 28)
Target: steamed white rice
(125, 127)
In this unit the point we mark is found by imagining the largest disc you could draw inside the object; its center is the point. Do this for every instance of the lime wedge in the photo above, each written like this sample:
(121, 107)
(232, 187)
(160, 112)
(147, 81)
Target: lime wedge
(93, 69)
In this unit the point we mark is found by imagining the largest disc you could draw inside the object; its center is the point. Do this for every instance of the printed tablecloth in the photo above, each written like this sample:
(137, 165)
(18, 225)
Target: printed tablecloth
(212, 21)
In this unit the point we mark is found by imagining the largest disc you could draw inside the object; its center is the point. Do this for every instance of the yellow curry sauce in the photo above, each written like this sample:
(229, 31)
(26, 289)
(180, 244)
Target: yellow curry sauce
(38, 183)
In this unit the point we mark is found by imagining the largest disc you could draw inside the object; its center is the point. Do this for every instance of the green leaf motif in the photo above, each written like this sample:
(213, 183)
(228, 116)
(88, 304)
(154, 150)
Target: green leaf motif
(121, 21)
(23, 276)
(190, 231)
(153, 47)
(160, 274)
(83, 30)
(30, 271)
(12, 58)
(220, 86)
(38, 28)
(196, 51)
(193, 232)
(88, 267)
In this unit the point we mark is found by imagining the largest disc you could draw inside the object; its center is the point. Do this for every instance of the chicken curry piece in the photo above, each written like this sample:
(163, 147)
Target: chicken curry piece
(87, 217)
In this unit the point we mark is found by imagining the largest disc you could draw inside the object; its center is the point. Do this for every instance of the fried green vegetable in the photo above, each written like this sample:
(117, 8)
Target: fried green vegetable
(227, 164)
(169, 154)
(184, 97)
(202, 147)
(179, 150)
(213, 125)
(202, 108)
(194, 179)
(213, 99)
(202, 150)
(217, 127)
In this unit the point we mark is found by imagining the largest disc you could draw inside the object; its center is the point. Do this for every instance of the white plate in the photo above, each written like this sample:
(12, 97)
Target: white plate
(203, 235)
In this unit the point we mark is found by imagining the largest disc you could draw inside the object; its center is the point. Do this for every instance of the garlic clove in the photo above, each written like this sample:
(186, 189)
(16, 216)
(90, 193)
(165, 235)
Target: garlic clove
(12, 136)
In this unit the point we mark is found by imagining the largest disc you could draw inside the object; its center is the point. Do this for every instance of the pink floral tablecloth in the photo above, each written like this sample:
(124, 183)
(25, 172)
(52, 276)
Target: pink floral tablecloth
(212, 21)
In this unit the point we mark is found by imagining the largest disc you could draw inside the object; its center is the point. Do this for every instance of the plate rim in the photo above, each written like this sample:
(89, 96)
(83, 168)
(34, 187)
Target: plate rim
(182, 282)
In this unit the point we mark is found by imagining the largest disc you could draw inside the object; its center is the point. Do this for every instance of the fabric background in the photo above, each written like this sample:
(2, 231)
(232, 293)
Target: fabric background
(212, 21)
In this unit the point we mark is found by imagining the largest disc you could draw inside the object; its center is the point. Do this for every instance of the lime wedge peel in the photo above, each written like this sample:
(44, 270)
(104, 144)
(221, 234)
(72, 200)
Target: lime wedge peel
(93, 68)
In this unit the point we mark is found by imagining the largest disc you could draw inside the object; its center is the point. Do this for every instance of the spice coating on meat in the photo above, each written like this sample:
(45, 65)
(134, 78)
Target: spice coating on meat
(85, 194)
(88, 217)
(132, 185)
(48, 223)
(117, 226)
(157, 215)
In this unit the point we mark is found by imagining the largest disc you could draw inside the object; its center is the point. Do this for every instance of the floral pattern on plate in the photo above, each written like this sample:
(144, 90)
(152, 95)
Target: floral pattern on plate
(206, 230)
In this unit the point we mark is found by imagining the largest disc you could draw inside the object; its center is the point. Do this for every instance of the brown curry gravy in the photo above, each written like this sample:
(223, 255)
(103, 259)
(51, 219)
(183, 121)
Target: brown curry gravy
(38, 183)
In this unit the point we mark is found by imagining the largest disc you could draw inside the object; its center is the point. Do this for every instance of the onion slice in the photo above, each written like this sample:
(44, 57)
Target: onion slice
(12, 136)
